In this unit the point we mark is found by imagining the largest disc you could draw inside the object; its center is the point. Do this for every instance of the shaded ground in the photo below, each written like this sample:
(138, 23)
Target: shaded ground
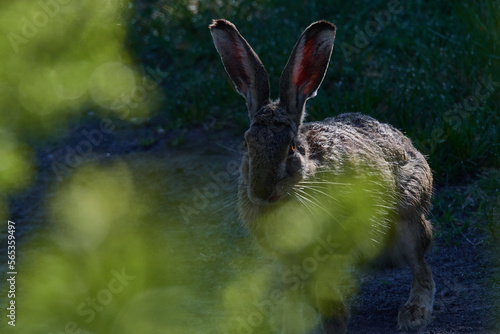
(463, 269)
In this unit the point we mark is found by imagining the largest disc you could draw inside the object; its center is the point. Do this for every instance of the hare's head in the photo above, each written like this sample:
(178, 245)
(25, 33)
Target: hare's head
(276, 152)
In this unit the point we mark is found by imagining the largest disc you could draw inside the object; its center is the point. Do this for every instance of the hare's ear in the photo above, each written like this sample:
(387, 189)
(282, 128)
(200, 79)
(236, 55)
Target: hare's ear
(306, 68)
(242, 64)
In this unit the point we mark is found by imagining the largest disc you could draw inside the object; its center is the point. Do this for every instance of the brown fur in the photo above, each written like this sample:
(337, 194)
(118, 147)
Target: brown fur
(283, 155)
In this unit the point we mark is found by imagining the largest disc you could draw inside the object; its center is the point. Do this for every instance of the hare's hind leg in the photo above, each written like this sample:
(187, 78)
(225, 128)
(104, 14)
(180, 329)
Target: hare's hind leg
(416, 238)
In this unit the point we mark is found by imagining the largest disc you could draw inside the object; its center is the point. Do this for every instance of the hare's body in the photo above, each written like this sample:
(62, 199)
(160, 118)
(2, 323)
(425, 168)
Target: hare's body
(354, 175)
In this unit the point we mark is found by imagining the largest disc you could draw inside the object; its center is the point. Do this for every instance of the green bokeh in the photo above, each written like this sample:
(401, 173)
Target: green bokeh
(61, 59)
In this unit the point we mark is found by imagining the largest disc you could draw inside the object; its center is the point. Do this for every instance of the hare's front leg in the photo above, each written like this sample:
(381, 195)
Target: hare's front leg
(416, 312)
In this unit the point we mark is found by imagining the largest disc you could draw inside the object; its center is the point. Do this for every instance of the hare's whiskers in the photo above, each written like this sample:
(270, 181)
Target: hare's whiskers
(313, 188)
(227, 148)
(225, 204)
(311, 199)
(319, 181)
(300, 198)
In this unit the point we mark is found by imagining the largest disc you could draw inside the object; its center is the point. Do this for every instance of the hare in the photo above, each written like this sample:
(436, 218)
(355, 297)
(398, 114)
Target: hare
(289, 164)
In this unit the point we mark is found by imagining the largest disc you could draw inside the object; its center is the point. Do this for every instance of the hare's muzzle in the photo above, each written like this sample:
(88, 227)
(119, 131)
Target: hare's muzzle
(261, 192)
(265, 190)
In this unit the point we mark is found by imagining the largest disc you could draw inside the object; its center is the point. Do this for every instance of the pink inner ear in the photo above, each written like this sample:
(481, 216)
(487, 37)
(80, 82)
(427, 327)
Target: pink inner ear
(236, 65)
(307, 69)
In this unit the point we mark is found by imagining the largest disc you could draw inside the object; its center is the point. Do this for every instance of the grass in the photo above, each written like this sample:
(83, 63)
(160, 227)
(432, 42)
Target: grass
(421, 72)
(469, 210)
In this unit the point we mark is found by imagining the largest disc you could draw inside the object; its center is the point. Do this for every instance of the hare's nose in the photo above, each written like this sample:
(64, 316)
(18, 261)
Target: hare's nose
(263, 200)
(262, 193)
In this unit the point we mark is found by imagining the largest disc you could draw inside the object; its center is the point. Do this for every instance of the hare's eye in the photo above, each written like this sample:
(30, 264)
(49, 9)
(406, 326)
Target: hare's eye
(292, 148)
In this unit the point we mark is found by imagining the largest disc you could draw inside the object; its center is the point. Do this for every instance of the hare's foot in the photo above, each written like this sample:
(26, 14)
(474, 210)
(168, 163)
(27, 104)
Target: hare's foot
(416, 312)
(413, 317)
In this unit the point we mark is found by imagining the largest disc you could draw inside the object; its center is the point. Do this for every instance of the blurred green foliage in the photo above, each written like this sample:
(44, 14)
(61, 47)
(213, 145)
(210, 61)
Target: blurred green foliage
(115, 259)
(59, 59)
(103, 267)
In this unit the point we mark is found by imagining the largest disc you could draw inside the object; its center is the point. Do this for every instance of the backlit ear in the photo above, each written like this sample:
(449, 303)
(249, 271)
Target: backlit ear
(306, 67)
(242, 64)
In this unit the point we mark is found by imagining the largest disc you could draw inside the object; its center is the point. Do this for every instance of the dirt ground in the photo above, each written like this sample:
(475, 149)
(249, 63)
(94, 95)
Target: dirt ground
(464, 303)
